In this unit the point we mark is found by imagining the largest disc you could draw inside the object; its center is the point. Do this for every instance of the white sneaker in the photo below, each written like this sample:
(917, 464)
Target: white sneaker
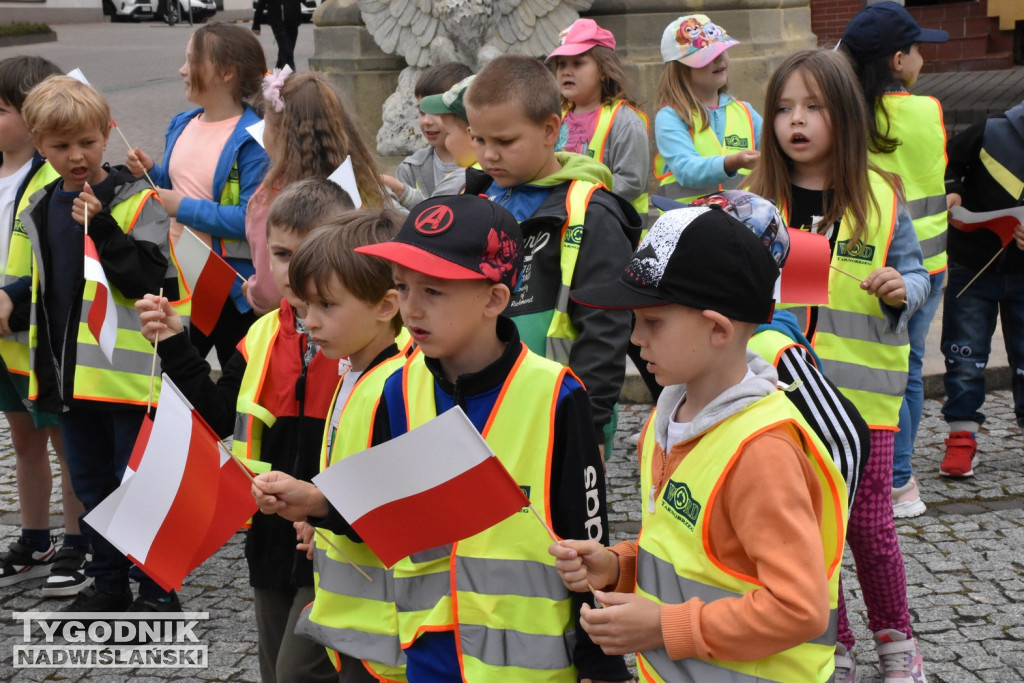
(900, 658)
(906, 501)
(846, 666)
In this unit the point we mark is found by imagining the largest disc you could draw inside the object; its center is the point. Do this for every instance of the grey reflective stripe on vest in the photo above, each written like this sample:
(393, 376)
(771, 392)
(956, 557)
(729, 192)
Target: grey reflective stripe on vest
(927, 206)
(860, 326)
(236, 249)
(933, 246)
(485, 576)
(338, 577)
(430, 554)
(557, 349)
(562, 303)
(241, 427)
(133, 362)
(694, 670)
(862, 378)
(500, 647)
(421, 592)
(373, 647)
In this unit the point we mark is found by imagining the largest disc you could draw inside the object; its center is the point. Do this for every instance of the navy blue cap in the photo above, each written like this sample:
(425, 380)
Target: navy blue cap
(880, 30)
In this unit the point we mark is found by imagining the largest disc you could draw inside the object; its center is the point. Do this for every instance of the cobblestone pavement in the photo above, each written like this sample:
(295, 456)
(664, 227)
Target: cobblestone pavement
(964, 559)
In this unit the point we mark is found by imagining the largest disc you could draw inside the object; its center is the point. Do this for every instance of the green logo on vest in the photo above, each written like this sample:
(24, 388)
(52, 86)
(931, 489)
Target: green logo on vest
(574, 236)
(678, 500)
(736, 141)
(233, 175)
(857, 251)
(526, 492)
(18, 227)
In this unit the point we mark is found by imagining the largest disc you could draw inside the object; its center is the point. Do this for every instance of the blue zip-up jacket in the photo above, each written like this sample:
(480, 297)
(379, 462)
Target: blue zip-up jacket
(209, 216)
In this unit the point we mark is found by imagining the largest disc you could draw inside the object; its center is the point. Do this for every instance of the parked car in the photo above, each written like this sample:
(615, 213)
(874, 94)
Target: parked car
(137, 10)
(307, 8)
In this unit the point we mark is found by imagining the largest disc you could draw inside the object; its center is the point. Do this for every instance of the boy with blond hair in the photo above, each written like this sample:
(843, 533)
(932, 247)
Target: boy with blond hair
(100, 404)
(736, 572)
(578, 231)
(485, 608)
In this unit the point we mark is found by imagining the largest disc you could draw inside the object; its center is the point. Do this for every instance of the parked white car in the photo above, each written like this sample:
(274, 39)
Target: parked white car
(170, 11)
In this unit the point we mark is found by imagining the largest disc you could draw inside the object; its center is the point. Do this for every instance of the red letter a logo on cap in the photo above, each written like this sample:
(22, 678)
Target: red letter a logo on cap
(434, 220)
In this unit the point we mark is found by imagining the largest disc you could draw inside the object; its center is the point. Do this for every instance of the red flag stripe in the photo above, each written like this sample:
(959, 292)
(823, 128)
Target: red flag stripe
(485, 488)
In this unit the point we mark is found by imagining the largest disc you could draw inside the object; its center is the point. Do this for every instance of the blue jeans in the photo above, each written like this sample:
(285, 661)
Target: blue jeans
(967, 327)
(97, 445)
(913, 399)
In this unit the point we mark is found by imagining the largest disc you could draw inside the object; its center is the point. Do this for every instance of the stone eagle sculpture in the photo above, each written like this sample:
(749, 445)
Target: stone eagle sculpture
(473, 32)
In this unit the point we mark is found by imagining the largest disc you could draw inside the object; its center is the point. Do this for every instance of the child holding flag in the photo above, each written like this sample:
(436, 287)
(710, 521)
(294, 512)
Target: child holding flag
(456, 261)
(98, 390)
(274, 394)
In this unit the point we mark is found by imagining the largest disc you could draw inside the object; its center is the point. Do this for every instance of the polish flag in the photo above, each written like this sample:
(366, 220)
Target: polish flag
(804, 278)
(183, 498)
(208, 278)
(102, 314)
(1002, 222)
(437, 484)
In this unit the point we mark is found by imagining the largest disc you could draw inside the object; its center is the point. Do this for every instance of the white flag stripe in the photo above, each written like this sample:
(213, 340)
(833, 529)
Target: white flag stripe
(108, 332)
(417, 461)
(345, 177)
(155, 485)
(191, 253)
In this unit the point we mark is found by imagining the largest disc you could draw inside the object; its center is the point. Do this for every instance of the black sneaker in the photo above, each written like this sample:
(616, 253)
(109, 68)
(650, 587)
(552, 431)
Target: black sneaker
(67, 575)
(21, 563)
(90, 599)
(168, 603)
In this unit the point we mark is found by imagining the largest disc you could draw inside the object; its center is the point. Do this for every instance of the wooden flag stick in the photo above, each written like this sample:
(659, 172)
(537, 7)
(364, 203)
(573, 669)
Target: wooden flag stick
(342, 553)
(990, 262)
(556, 540)
(85, 225)
(849, 274)
(152, 367)
(209, 248)
(132, 149)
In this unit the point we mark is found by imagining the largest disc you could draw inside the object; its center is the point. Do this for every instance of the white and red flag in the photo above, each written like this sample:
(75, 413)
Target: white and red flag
(102, 320)
(181, 498)
(436, 484)
(208, 278)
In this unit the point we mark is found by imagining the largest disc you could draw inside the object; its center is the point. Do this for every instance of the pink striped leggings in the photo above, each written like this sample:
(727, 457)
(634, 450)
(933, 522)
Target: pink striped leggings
(871, 534)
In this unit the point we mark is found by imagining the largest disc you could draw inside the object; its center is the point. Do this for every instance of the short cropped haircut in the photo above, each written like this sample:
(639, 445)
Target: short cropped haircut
(438, 79)
(331, 250)
(63, 105)
(517, 81)
(307, 204)
(20, 74)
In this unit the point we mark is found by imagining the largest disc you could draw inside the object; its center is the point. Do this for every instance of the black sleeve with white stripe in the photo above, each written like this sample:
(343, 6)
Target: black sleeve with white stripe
(831, 415)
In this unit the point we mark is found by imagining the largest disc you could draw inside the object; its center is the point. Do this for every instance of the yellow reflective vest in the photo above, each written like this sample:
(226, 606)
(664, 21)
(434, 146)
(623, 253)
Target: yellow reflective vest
(597, 144)
(127, 379)
(739, 136)
(920, 162)
(14, 348)
(350, 614)
(866, 360)
(673, 559)
(498, 590)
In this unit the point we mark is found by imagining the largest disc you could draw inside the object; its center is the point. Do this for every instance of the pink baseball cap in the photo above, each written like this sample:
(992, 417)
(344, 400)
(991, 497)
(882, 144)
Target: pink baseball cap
(582, 35)
(694, 40)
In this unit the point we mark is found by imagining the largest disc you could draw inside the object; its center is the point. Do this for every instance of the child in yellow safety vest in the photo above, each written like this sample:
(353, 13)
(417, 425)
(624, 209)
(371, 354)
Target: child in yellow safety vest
(814, 165)
(99, 393)
(273, 395)
(707, 140)
(23, 172)
(735, 575)
(601, 118)
(484, 608)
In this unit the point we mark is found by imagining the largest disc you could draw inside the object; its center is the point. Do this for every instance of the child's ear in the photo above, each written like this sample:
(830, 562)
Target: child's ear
(552, 127)
(896, 63)
(722, 329)
(387, 307)
(497, 300)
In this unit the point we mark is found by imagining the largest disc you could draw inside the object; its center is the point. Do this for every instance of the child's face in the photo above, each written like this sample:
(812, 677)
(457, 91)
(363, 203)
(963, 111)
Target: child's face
(675, 342)
(910, 67)
(340, 323)
(457, 140)
(801, 123)
(445, 317)
(77, 156)
(711, 78)
(431, 127)
(579, 79)
(511, 148)
(14, 135)
(282, 244)
(205, 77)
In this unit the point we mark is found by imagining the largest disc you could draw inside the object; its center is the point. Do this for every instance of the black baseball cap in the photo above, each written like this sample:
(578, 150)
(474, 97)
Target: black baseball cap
(699, 257)
(457, 237)
(879, 30)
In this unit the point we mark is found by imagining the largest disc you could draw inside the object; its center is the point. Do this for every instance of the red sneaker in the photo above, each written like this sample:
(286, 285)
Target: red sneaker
(961, 455)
